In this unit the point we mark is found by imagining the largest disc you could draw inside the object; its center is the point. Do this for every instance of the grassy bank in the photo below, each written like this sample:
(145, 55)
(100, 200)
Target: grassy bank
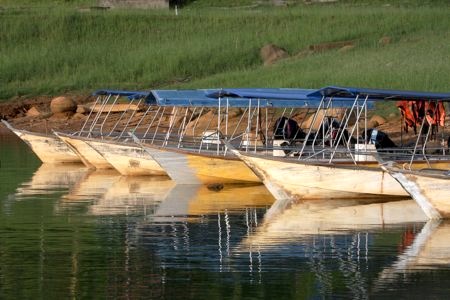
(51, 50)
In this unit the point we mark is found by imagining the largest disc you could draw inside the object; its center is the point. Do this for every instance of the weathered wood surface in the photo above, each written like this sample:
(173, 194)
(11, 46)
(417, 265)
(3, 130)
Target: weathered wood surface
(49, 149)
(118, 107)
(88, 155)
(129, 160)
(432, 193)
(292, 179)
(186, 167)
(186, 200)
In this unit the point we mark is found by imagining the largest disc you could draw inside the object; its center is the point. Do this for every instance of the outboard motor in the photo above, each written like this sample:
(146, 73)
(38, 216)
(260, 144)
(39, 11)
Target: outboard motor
(379, 138)
(285, 131)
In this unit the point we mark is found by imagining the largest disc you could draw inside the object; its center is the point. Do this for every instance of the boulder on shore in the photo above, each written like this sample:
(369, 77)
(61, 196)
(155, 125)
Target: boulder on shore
(62, 105)
(81, 109)
(33, 112)
(62, 115)
(271, 53)
(376, 121)
(79, 116)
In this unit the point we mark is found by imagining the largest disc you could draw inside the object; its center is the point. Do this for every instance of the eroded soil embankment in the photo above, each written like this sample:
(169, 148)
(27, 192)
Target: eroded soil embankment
(34, 114)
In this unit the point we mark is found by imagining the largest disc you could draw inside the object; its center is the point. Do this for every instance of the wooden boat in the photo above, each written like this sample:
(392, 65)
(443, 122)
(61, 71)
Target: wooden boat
(188, 167)
(430, 188)
(312, 177)
(199, 157)
(94, 127)
(295, 180)
(48, 148)
(128, 159)
(88, 155)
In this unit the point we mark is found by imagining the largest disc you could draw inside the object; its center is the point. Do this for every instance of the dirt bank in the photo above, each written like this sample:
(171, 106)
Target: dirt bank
(34, 114)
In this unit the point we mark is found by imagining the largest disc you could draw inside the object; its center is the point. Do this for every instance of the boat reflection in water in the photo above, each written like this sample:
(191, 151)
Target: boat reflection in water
(348, 235)
(133, 196)
(332, 217)
(430, 249)
(50, 179)
(106, 192)
(92, 186)
(190, 202)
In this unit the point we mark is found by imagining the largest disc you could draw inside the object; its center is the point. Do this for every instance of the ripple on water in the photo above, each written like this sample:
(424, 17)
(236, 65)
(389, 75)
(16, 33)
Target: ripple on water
(66, 232)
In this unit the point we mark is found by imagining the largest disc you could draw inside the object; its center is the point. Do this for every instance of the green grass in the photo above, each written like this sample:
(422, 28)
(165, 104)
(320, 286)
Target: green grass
(57, 49)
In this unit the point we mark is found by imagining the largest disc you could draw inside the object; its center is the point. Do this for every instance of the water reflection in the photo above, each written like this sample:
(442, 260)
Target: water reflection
(100, 235)
(429, 249)
(133, 196)
(188, 202)
(51, 178)
(321, 217)
(333, 237)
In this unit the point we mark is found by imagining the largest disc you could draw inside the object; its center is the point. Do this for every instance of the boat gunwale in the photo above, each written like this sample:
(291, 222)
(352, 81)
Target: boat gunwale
(337, 164)
(422, 172)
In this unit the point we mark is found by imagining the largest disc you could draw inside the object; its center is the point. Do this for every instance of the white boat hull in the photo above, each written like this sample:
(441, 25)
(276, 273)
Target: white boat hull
(49, 149)
(186, 167)
(128, 160)
(88, 155)
(295, 180)
(432, 193)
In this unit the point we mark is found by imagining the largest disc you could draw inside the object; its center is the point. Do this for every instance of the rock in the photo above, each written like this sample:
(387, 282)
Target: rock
(81, 109)
(337, 113)
(61, 115)
(79, 116)
(271, 53)
(376, 121)
(33, 112)
(385, 40)
(235, 112)
(62, 105)
(46, 115)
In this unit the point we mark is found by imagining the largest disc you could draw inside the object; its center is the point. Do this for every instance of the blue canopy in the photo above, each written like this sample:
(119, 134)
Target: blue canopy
(264, 93)
(129, 94)
(379, 94)
(279, 98)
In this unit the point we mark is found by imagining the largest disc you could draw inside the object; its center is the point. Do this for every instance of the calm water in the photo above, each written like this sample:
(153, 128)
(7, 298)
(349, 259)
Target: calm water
(67, 233)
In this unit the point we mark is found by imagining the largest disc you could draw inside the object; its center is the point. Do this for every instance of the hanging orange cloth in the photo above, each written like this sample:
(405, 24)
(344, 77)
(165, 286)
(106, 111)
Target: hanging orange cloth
(409, 114)
(414, 112)
(435, 113)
